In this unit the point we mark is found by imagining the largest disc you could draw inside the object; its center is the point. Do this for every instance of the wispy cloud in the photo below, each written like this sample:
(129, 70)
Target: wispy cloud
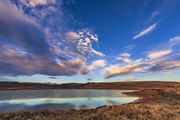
(118, 69)
(129, 47)
(167, 64)
(16, 62)
(82, 42)
(154, 14)
(145, 31)
(34, 3)
(167, 47)
(129, 79)
(164, 60)
(33, 44)
(174, 41)
(125, 57)
(98, 63)
(158, 54)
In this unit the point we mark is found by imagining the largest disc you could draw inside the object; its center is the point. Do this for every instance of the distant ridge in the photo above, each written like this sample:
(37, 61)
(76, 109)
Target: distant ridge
(135, 85)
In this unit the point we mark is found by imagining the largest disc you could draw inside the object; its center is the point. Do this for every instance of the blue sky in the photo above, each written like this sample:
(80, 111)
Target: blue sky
(89, 40)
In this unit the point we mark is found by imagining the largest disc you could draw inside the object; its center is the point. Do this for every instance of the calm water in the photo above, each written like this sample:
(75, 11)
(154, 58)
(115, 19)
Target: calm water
(60, 99)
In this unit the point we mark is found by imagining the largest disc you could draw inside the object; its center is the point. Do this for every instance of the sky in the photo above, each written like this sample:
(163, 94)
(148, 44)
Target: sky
(65, 41)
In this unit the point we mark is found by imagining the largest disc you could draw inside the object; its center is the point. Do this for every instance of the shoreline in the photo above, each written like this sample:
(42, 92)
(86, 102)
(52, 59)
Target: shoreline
(164, 102)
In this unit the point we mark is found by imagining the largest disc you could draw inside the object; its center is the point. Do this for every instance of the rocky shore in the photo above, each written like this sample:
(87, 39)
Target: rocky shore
(154, 104)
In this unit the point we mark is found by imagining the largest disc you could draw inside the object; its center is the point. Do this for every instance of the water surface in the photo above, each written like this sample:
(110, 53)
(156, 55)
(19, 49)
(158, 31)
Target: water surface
(16, 100)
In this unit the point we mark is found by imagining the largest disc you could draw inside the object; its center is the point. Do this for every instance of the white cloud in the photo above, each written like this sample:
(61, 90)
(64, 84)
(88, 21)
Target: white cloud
(96, 53)
(126, 60)
(81, 66)
(128, 79)
(72, 36)
(157, 62)
(175, 40)
(34, 3)
(124, 57)
(9, 11)
(98, 63)
(129, 47)
(159, 54)
(60, 56)
(145, 31)
(117, 69)
(166, 64)
(154, 14)
(71, 44)
(82, 41)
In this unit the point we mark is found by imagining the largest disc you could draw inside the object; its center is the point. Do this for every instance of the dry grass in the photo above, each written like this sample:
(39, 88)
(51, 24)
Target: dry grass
(147, 111)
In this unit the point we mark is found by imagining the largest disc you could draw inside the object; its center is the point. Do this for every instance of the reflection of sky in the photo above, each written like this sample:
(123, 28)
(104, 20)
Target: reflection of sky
(64, 99)
(63, 102)
(95, 101)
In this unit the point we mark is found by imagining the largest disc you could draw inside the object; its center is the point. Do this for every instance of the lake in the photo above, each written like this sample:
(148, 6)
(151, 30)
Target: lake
(16, 100)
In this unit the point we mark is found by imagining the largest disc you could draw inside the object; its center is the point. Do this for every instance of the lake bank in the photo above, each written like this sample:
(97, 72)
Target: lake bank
(153, 105)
